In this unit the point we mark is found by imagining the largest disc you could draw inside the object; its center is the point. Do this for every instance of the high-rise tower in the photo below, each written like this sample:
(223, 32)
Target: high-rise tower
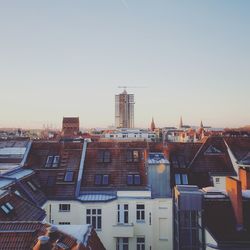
(124, 110)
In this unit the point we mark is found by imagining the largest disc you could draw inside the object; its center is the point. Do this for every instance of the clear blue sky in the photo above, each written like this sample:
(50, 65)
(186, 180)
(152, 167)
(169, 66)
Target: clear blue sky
(66, 58)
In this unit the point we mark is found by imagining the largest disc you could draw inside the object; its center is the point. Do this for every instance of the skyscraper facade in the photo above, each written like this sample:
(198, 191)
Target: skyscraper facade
(124, 110)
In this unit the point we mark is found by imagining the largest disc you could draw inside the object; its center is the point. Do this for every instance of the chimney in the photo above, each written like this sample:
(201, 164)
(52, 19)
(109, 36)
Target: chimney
(53, 233)
(43, 243)
(233, 187)
(244, 175)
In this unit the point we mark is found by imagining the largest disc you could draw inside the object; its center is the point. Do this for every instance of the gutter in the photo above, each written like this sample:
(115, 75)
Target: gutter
(81, 168)
(26, 154)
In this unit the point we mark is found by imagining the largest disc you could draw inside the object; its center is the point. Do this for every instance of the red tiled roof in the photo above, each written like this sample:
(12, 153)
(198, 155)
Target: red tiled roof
(24, 235)
(70, 156)
(117, 168)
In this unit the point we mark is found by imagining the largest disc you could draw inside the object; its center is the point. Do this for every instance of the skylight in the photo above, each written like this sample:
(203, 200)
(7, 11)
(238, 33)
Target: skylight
(211, 150)
(7, 208)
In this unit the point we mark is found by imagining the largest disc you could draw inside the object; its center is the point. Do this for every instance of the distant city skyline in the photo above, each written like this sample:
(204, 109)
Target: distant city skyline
(61, 58)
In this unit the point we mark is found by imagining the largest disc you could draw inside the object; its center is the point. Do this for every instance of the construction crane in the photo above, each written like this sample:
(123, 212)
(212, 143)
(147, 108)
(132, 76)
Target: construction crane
(131, 87)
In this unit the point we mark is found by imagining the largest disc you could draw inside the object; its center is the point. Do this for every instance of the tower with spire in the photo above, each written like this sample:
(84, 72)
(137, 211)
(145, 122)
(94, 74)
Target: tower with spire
(152, 126)
(181, 123)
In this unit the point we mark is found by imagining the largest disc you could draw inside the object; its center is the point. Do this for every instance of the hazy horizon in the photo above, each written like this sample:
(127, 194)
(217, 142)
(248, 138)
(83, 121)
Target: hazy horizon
(67, 58)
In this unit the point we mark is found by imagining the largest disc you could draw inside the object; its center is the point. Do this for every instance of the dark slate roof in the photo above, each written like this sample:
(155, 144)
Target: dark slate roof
(23, 210)
(181, 154)
(212, 157)
(240, 146)
(220, 221)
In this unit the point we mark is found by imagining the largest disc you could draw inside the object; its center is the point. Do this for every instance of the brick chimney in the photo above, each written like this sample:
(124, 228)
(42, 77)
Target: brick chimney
(233, 187)
(244, 175)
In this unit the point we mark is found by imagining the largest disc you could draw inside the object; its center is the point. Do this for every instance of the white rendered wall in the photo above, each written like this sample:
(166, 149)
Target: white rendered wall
(156, 237)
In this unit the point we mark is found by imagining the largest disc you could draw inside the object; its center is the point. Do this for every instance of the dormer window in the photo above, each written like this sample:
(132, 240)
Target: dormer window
(32, 186)
(56, 161)
(102, 179)
(133, 179)
(211, 150)
(49, 161)
(104, 156)
(69, 176)
(52, 161)
(181, 179)
(7, 208)
(133, 156)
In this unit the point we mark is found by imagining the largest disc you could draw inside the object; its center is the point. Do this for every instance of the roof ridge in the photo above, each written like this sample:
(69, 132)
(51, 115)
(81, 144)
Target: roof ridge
(198, 152)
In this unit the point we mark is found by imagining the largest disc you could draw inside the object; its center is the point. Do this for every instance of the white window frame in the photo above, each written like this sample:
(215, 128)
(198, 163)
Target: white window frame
(64, 210)
(122, 243)
(140, 243)
(122, 209)
(94, 213)
(140, 212)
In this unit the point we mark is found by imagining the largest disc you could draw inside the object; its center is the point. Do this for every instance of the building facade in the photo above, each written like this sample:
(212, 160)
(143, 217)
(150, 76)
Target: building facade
(124, 110)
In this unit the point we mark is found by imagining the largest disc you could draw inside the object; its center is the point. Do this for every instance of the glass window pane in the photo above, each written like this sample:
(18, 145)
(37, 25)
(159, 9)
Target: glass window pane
(99, 222)
(129, 156)
(184, 179)
(136, 156)
(177, 179)
(69, 176)
(88, 220)
(105, 180)
(94, 221)
(98, 179)
(137, 179)
(130, 179)
(125, 216)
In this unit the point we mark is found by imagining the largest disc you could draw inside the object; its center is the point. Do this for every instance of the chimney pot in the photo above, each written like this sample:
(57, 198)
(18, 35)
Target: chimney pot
(43, 239)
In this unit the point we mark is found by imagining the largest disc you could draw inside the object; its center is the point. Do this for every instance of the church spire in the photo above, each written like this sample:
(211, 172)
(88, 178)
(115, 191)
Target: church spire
(181, 123)
(201, 126)
(152, 124)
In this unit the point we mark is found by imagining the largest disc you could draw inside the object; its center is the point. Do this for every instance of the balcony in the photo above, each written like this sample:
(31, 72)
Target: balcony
(123, 230)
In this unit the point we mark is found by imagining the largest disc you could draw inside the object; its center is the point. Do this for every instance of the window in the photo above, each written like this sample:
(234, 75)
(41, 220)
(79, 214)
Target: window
(52, 161)
(122, 215)
(64, 207)
(7, 208)
(104, 156)
(122, 244)
(49, 161)
(137, 179)
(56, 161)
(31, 185)
(140, 243)
(181, 179)
(64, 223)
(217, 180)
(140, 212)
(17, 193)
(133, 156)
(69, 176)
(133, 179)
(211, 150)
(102, 179)
(94, 217)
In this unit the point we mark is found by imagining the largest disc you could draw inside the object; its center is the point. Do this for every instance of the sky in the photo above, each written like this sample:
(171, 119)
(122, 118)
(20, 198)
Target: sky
(67, 58)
